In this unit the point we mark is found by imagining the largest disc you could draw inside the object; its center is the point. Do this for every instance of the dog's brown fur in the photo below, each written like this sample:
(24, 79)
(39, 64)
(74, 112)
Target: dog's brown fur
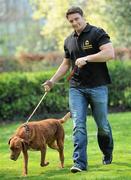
(37, 135)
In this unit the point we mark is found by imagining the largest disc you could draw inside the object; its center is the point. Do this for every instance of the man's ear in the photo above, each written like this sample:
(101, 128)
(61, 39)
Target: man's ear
(24, 144)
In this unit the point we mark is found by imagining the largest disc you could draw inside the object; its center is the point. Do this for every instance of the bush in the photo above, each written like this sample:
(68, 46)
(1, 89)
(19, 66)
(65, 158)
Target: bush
(21, 92)
(9, 64)
(123, 53)
(120, 89)
(30, 62)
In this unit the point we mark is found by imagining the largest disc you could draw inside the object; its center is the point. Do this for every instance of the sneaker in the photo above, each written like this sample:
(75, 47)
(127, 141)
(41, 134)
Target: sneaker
(107, 159)
(75, 169)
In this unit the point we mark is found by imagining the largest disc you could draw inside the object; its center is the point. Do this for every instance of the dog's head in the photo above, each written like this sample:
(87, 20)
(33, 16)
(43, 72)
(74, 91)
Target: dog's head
(16, 144)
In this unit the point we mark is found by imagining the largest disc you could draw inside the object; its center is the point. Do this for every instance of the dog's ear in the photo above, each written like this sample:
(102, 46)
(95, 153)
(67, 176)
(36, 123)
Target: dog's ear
(24, 144)
(9, 140)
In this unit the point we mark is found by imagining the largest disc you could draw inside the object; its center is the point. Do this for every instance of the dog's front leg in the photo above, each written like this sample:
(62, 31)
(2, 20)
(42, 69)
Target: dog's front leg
(43, 154)
(25, 168)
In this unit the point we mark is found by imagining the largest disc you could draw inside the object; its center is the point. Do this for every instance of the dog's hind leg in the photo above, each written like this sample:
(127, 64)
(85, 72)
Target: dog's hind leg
(53, 145)
(60, 144)
(43, 154)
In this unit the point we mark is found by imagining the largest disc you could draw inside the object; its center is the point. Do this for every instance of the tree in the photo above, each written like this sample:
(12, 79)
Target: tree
(113, 16)
(55, 26)
(120, 18)
(17, 29)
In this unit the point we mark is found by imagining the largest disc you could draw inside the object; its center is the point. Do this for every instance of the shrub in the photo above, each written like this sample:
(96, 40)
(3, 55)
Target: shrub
(123, 53)
(9, 64)
(21, 92)
(120, 89)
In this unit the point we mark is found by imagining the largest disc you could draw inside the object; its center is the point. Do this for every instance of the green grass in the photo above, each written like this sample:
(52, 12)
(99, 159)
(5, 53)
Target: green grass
(120, 169)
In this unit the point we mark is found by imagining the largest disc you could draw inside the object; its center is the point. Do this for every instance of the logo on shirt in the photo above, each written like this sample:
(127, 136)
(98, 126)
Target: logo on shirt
(87, 45)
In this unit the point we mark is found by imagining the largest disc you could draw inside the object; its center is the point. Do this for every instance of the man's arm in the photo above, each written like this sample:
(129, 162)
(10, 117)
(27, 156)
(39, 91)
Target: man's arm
(106, 53)
(62, 70)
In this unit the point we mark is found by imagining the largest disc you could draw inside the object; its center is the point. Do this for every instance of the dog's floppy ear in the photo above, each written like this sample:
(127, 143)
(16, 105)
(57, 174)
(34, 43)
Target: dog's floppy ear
(9, 140)
(24, 144)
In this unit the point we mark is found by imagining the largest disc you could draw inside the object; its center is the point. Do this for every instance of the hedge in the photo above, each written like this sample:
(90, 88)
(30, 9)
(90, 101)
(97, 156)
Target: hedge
(120, 89)
(21, 92)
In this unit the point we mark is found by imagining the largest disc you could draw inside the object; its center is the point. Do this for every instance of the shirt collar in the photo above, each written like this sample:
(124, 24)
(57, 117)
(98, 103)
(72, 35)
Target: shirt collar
(86, 29)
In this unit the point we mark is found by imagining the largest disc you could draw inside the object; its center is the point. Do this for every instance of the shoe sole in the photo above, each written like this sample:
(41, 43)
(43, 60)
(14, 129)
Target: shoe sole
(75, 170)
(106, 163)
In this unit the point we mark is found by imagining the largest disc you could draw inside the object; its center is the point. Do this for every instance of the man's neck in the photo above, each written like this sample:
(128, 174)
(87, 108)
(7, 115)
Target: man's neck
(78, 32)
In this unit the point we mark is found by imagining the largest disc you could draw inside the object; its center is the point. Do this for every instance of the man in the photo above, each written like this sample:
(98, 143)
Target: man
(87, 49)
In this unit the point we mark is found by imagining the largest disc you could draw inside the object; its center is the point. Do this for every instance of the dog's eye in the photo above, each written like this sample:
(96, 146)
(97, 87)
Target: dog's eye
(13, 149)
(17, 147)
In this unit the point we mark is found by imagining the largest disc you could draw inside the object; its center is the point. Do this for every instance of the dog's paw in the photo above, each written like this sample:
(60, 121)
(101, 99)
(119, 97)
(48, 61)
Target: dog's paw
(44, 164)
(61, 166)
(24, 174)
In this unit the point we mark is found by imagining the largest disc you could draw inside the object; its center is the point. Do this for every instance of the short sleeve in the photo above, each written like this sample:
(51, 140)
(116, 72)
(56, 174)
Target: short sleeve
(67, 54)
(102, 37)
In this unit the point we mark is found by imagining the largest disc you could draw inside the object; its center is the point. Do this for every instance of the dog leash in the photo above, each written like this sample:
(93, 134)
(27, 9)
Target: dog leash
(70, 76)
(36, 107)
(72, 73)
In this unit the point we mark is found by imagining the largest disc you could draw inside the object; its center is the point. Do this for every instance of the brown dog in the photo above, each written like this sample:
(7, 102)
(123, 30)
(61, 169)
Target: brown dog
(36, 136)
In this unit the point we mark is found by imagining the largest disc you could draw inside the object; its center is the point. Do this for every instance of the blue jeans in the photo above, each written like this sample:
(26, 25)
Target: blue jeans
(79, 99)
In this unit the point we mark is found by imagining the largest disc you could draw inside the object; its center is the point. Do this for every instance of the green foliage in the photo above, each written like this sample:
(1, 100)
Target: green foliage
(30, 62)
(21, 92)
(113, 16)
(120, 89)
(56, 27)
(8, 64)
(119, 13)
(18, 30)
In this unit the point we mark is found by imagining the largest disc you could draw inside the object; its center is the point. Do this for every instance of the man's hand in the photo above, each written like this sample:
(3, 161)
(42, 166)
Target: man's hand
(80, 62)
(48, 85)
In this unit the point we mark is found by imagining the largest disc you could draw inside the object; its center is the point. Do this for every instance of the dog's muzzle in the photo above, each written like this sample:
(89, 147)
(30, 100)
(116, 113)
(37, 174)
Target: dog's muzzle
(13, 158)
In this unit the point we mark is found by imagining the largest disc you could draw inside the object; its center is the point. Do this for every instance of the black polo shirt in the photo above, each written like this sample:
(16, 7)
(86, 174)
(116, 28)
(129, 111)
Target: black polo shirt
(92, 74)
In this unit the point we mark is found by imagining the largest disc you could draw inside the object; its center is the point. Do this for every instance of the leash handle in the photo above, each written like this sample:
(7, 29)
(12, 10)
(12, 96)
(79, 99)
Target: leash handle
(36, 107)
(72, 73)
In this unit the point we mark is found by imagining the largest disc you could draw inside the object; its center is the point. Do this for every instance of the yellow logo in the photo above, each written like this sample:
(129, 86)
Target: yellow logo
(87, 45)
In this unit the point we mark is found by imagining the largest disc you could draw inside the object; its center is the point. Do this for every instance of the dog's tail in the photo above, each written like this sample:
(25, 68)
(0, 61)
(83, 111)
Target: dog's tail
(65, 118)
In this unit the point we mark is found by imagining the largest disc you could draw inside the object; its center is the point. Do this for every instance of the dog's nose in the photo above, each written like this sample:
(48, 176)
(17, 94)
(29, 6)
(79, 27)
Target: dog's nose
(12, 158)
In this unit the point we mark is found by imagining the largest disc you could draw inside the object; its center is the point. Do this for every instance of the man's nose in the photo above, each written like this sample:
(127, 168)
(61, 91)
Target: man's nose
(74, 23)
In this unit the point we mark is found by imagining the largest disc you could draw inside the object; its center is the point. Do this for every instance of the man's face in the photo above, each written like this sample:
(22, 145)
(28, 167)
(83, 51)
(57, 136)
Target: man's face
(77, 21)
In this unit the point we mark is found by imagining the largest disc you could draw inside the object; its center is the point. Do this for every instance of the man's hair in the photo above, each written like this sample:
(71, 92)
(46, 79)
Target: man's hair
(74, 10)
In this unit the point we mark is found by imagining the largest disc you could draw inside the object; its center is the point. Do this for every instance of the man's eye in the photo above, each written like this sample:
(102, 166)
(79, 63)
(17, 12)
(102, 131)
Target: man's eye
(76, 19)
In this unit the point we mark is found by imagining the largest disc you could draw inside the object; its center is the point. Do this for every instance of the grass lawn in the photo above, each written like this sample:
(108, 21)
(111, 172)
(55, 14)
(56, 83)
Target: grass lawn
(120, 169)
